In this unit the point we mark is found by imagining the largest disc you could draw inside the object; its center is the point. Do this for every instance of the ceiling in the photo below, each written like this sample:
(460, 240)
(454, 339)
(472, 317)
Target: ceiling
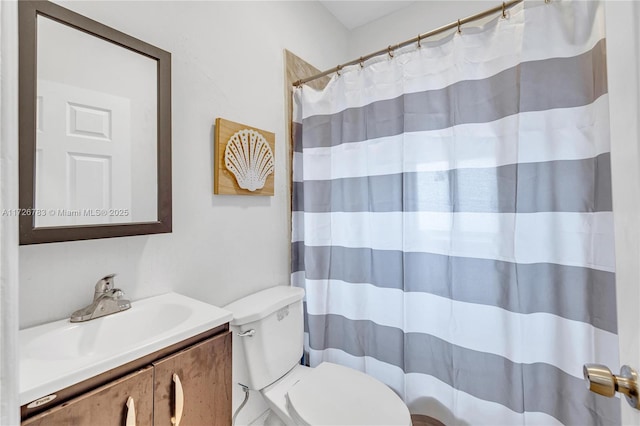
(354, 13)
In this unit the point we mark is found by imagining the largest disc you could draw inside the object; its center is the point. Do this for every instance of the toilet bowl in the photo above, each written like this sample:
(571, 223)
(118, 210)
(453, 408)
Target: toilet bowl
(269, 330)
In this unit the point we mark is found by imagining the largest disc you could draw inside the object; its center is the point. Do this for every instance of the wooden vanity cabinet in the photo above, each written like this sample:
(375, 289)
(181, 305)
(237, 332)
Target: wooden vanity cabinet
(204, 378)
(106, 405)
(200, 396)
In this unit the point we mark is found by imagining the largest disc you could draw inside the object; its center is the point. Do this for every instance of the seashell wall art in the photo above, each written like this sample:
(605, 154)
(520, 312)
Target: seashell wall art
(244, 159)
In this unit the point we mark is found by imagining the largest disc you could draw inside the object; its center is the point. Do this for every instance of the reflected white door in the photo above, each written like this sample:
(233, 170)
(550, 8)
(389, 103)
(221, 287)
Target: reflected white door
(83, 156)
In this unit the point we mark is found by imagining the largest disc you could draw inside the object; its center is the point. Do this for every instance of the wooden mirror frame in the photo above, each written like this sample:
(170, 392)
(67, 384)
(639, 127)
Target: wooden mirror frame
(28, 11)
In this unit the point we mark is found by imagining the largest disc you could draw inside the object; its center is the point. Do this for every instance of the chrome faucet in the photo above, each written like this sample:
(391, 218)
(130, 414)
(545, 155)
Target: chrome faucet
(106, 300)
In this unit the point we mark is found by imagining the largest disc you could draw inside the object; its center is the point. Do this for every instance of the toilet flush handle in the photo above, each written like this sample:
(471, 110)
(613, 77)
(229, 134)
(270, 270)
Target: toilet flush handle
(248, 333)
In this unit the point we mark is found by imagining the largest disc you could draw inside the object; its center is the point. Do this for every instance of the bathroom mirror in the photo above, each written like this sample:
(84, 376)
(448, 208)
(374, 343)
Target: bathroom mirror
(95, 129)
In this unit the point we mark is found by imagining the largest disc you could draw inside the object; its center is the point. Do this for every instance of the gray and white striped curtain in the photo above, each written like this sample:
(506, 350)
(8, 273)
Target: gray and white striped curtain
(452, 222)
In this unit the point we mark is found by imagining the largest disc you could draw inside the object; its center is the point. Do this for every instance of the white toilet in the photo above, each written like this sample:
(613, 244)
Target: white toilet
(271, 325)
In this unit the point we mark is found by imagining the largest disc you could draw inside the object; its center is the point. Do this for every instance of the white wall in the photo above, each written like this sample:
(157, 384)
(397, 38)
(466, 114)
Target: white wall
(407, 23)
(227, 62)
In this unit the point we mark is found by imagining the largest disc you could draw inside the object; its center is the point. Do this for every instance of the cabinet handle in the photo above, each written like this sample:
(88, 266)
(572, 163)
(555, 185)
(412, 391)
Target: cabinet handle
(179, 401)
(131, 413)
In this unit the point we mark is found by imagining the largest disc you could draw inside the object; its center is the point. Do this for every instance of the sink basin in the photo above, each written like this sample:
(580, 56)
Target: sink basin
(73, 340)
(60, 354)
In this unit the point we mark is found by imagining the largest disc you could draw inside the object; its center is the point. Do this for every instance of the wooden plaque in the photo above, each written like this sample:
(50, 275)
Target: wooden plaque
(224, 180)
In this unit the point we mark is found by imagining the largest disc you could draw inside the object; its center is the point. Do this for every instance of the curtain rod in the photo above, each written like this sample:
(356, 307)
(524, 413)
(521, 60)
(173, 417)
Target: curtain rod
(389, 50)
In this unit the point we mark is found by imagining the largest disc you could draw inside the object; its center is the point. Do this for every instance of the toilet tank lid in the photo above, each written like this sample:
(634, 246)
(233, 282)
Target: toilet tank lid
(263, 303)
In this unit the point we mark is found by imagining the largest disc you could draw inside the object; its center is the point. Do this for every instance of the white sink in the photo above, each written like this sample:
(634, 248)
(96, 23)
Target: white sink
(60, 354)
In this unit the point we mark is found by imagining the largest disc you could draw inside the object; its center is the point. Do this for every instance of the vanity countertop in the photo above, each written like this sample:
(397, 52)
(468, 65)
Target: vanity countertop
(59, 354)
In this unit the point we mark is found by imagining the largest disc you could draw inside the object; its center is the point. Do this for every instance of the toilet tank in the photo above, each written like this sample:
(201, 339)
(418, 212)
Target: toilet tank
(275, 346)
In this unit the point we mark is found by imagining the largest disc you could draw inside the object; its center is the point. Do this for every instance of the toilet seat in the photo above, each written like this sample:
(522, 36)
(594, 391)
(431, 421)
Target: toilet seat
(335, 395)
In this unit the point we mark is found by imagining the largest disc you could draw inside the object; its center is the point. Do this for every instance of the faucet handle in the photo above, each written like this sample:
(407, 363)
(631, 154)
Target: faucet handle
(115, 293)
(103, 285)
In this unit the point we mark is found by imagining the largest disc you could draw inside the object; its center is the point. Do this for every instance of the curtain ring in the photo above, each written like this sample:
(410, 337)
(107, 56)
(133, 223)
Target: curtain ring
(504, 15)
(361, 62)
(390, 51)
(419, 46)
(547, 1)
(338, 68)
(459, 29)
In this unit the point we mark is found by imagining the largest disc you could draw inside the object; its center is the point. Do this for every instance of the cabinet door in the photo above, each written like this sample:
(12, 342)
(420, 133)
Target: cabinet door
(106, 405)
(203, 394)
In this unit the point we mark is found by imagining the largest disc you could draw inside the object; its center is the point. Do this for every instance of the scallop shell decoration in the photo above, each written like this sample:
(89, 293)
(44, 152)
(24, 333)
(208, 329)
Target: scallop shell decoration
(249, 157)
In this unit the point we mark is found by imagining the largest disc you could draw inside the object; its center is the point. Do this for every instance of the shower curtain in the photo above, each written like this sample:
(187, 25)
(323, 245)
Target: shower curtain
(452, 220)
